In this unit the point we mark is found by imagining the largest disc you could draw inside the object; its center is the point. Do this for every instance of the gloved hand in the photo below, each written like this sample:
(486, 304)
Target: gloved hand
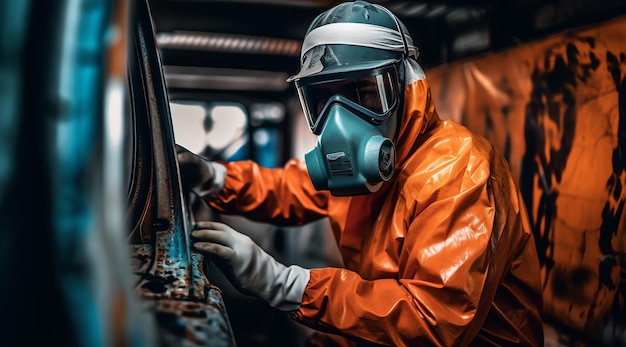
(199, 175)
(249, 268)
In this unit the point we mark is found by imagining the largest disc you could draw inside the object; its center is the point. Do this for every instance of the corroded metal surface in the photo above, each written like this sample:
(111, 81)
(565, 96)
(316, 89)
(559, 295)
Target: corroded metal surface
(164, 278)
(170, 278)
(191, 323)
(189, 310)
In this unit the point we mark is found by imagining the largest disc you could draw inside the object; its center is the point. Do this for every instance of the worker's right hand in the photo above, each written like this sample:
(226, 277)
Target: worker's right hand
(197, 174)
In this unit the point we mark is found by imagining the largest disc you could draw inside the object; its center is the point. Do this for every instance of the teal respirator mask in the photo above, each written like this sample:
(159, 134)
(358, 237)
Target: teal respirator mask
(351, 86)
(353, 114)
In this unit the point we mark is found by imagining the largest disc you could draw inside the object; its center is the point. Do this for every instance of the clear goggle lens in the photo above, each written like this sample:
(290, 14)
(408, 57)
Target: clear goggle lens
(375, 95)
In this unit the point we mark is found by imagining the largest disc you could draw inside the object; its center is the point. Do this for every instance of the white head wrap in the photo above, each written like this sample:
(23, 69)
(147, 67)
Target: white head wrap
(358, 34)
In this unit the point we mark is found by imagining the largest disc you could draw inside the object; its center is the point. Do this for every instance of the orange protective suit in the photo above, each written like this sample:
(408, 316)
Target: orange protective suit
(442, 255)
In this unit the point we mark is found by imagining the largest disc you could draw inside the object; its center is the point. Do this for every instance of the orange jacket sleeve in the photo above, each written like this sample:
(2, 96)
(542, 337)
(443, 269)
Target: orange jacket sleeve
(283, 196)
(431, 308)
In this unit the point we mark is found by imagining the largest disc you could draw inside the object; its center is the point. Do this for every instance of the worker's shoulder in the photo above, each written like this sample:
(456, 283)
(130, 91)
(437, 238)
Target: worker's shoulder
(449, 152)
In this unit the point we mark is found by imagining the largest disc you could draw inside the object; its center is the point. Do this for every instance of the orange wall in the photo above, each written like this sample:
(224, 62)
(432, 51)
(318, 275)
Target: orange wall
(555, 108)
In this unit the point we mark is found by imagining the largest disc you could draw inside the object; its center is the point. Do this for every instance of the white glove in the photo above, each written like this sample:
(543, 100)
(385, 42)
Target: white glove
(249, 268)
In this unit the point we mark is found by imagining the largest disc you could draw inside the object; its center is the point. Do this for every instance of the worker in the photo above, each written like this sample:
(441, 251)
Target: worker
(434, 236)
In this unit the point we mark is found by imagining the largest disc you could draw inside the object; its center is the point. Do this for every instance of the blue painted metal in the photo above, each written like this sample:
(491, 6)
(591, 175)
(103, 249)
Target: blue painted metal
(61, 281)
(66, 279)
(188, 309)
(76, 127)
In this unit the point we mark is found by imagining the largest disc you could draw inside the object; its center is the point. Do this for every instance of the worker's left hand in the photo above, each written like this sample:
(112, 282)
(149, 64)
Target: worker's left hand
(249, 268)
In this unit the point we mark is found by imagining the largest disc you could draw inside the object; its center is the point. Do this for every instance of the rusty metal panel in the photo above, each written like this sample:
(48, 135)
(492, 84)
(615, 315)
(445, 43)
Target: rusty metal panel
(171, 279)
(555, 108)
(199, 319)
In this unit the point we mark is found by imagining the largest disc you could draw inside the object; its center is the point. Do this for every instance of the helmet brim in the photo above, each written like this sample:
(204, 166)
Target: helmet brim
(320, 70)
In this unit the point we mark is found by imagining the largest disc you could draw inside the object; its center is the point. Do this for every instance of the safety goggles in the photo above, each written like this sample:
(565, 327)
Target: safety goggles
(370, 94)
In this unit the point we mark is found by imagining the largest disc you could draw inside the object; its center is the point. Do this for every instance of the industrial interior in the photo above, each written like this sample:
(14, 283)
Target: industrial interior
(98, 95)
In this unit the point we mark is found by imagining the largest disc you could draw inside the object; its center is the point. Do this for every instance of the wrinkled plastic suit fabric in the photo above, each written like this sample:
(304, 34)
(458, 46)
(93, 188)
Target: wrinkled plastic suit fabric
(557, 109)
(442, 255)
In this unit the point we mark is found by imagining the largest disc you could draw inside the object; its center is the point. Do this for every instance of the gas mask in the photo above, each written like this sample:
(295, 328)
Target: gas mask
(351, 85)
(354, 115)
